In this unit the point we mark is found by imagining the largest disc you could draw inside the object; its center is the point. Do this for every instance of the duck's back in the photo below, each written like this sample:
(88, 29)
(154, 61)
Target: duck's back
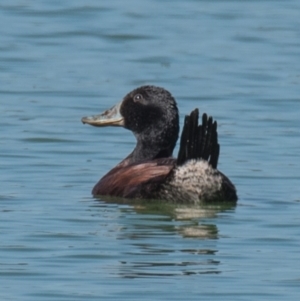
(196, 182)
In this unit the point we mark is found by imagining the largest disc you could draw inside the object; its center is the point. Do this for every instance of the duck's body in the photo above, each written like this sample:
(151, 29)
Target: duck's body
(194, 182)
(150, 171)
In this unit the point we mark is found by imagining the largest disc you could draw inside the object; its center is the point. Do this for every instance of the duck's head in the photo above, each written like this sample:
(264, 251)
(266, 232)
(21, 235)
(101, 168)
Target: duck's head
(151, 113)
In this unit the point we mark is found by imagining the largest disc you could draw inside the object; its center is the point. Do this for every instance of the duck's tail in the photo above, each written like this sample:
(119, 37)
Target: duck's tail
(199, 141)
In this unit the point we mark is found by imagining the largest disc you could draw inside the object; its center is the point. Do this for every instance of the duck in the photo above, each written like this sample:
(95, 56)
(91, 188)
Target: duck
(150, 171)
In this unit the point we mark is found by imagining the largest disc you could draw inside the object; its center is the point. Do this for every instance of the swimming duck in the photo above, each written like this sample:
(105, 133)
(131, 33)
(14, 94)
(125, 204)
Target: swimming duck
(150, 171)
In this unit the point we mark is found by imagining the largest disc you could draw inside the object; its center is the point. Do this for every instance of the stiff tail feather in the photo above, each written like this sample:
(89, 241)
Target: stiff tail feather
(199, 141)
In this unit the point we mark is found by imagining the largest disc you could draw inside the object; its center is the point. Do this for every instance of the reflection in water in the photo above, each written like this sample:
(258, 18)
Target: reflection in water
(152, 235)
(153, 269)
(199, 231)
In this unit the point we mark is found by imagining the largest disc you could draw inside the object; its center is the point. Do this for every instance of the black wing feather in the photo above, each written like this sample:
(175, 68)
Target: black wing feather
(199, 141)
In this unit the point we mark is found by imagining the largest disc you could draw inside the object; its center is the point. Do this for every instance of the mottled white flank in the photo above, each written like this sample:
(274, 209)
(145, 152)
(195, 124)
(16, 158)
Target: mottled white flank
(195, 181)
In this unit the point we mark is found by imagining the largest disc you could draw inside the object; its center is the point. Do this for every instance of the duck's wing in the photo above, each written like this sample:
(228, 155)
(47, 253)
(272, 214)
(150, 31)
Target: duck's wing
(136, 180)
(199, 141)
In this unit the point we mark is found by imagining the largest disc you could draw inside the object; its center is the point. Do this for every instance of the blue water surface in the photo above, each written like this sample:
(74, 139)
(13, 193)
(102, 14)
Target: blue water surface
(61, 60)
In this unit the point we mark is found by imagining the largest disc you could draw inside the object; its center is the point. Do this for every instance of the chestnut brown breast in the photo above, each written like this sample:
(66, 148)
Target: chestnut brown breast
(135, 180)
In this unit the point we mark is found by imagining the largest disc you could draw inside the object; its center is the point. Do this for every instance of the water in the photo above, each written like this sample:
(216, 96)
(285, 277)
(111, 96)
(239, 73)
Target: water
(59, 61)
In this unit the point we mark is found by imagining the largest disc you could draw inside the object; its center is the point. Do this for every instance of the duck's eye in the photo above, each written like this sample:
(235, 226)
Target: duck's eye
(137, 97)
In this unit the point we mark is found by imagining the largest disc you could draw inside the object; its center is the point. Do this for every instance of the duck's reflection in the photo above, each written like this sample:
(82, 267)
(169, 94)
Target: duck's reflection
(152, 243)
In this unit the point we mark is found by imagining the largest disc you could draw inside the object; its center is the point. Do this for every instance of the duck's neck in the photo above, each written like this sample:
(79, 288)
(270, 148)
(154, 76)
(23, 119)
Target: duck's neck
(153, 145)
(144, 152)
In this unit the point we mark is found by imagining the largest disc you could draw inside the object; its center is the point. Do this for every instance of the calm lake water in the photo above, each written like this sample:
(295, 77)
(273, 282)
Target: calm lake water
(61, 60)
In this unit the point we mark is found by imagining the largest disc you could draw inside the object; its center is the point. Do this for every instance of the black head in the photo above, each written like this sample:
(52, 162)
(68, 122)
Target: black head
(147, 107)
(151, 113)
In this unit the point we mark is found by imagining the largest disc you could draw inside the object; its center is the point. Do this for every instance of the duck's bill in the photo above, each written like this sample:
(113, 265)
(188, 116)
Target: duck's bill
(111, 117)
